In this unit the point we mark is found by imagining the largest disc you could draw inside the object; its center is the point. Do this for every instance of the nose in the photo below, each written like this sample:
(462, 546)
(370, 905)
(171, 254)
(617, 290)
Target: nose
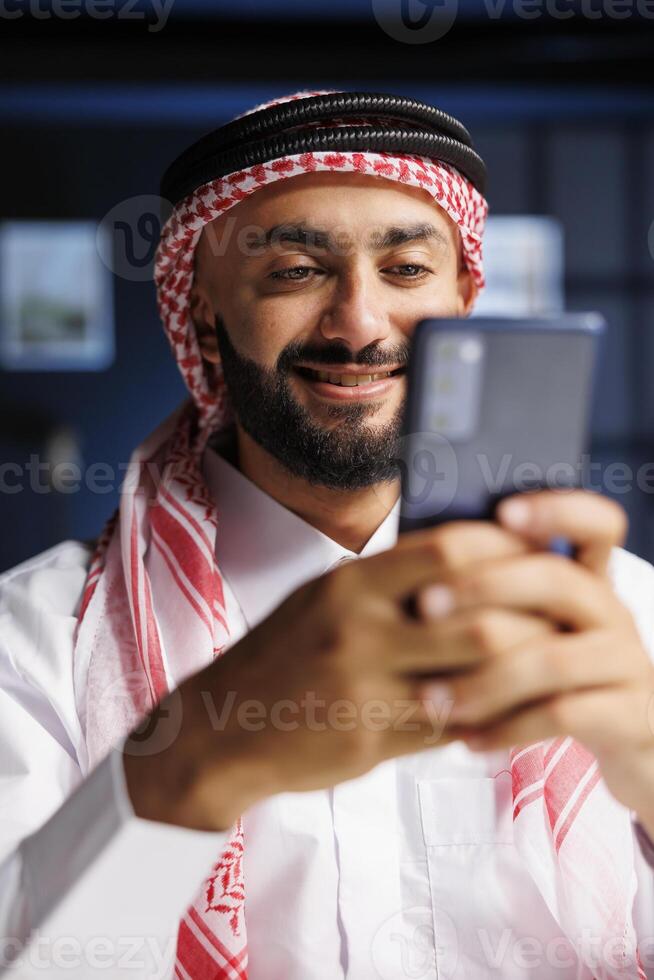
(356, 312)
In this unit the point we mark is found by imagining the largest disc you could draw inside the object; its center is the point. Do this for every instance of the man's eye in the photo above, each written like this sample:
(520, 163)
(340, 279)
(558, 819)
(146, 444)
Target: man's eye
(296, 274)
(410, 270)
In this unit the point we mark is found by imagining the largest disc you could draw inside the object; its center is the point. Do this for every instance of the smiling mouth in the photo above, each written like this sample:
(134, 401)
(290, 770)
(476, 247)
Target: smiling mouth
(346, 380)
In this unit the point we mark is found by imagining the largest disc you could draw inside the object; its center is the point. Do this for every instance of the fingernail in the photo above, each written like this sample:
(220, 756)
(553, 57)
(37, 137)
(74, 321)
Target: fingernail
(436, 601)
(438, 694)
(514, 513)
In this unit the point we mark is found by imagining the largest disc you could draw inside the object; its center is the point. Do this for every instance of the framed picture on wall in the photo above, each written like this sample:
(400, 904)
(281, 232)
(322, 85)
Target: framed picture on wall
(56, 297)
(524, 267)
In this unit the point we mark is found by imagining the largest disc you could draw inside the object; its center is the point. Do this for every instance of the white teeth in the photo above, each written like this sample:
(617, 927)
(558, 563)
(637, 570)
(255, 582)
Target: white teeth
(350, 380)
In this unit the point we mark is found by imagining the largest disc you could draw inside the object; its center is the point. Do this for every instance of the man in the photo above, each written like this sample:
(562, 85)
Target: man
(221, 689)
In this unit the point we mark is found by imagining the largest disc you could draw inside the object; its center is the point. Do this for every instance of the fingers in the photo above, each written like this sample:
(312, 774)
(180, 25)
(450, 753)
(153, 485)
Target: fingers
(541, 583)
(593, 523)
(465, 639)
(528, 522)
(551, 666)
(422, 557)
(581, 714)
(416, 724)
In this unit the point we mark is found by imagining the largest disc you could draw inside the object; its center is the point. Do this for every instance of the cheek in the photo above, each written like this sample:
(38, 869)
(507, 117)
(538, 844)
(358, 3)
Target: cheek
(261, 326)
(269, 327)
(419, 304)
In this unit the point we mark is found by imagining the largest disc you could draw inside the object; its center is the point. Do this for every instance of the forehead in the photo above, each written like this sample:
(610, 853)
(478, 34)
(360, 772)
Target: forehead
(354, 202)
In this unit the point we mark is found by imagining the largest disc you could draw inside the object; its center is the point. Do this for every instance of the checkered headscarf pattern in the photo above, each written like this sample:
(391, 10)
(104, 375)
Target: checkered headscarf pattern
(174, 261)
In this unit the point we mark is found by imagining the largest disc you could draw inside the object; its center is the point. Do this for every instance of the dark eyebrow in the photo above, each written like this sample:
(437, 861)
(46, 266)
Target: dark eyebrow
(300, 233)
(292, 234)
(401, 235)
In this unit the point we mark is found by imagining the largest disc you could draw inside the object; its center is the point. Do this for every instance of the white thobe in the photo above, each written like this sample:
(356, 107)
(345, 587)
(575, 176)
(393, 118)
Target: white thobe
(409, 870)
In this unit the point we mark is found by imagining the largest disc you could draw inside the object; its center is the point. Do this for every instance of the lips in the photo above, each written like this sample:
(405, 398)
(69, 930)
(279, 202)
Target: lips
(349, 387)
(347, 379)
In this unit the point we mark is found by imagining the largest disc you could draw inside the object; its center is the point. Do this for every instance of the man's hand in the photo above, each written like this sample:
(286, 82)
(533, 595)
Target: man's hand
(591, 679)
(327, 686)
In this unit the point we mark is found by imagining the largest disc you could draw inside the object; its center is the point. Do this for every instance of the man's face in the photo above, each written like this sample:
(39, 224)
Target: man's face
(313, 284)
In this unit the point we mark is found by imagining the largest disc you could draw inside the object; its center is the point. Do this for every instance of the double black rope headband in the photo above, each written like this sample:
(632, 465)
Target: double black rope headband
(377, 123)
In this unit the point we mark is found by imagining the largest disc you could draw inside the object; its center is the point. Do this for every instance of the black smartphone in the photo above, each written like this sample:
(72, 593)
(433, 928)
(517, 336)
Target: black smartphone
(495, 406)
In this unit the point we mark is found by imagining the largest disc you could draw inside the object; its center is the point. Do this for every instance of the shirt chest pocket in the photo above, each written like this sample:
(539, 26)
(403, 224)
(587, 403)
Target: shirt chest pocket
(483, 901)
(465, 833)
(466, 810)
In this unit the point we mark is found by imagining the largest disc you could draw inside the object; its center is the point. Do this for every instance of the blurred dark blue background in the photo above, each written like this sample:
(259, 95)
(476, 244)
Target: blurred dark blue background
(93, 110)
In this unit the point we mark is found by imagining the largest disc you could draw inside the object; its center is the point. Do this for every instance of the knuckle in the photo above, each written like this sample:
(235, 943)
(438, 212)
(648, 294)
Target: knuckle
(348, 642)
(625, 621)
(559, 714)
(486, 630)
(341, 592)
(323, 600)
(332, 639)
(336, 641)
(361, 638)
(554, 572)
(557, 663)
(596, 593)
(550, 564)
(474, 698)
(476, 587)
(619, 521)
(334, 587)
(441, 546)
(513, 672)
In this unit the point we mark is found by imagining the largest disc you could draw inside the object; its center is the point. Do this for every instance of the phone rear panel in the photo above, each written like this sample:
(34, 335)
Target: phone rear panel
(494, 407)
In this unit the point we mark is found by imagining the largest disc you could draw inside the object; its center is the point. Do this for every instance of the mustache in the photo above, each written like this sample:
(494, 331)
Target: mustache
(296, 352)
(337, 353)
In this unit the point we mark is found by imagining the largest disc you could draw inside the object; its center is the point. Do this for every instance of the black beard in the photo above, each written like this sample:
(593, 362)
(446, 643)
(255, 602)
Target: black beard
(349, 456)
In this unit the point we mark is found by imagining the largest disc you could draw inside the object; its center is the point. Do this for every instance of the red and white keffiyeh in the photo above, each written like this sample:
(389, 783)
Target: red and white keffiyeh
(154, 587)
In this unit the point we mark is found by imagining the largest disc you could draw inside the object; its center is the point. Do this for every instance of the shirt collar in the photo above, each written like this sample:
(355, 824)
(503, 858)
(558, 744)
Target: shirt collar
(264, 550)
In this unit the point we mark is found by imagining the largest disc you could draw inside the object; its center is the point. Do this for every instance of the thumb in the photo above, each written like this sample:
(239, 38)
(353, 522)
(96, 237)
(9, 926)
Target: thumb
(592, 523)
